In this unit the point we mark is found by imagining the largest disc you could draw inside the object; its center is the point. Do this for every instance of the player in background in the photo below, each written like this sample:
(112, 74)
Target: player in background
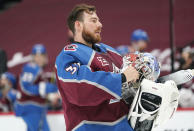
(139, 41)
(34, 90)
(8, 94)
(187, 58)
(187, 90)
(88, 77)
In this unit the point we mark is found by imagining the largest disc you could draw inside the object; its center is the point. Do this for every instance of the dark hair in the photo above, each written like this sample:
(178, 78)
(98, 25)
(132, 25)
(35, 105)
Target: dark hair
(77, 14)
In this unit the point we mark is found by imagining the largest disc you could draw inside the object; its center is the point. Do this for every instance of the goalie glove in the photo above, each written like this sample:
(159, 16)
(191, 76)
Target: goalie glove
(153, 105)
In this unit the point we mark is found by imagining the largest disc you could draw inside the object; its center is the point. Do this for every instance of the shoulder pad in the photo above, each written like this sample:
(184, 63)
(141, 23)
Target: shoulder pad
(109, 48)
(32, 67)
(79, 52)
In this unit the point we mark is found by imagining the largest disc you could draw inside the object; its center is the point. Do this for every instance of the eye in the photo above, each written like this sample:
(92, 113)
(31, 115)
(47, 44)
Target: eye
(94, 21)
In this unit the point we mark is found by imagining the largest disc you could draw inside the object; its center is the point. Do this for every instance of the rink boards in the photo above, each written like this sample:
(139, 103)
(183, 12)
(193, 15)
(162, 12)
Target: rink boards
(183, 120)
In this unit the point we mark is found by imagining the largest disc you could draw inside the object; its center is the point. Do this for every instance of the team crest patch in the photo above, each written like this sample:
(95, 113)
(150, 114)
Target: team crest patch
(71, 47)
(103, 61)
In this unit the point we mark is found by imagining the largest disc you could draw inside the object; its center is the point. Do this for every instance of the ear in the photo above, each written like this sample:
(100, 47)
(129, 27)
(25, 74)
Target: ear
(78, 26)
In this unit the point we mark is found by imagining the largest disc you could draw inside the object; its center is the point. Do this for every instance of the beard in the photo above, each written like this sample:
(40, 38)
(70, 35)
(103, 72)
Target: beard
(90, 37)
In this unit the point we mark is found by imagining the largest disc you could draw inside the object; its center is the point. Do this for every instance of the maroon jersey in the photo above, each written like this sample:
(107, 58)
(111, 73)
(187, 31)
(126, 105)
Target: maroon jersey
(90, 85)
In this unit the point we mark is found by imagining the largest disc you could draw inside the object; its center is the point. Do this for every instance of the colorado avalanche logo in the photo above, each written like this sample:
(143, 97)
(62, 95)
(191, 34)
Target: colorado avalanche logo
(71, 47)
(103, 61)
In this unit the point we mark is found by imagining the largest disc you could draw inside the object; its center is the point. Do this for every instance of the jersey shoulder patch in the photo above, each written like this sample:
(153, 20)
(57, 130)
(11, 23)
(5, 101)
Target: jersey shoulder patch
(71, 47)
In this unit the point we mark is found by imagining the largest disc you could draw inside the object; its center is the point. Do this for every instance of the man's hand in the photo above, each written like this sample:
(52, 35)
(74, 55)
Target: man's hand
(131, 74)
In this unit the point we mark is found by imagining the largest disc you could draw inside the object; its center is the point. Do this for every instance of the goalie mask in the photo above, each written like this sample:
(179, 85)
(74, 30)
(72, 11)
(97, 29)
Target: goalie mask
(147, 66)
(145, 63)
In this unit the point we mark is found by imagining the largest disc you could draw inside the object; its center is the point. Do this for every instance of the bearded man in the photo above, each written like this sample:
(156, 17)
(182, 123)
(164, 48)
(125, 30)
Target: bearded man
(98, 92)
(89, 79)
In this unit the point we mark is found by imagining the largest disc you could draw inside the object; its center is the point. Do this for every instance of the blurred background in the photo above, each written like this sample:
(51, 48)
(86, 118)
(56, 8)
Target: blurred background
(168, 23)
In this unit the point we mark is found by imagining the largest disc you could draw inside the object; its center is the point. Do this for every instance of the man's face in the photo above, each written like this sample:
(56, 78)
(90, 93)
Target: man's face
(4, 82)
(91, 28)
(5, 85)
(140, 45)
(41, 59)
(185, 55)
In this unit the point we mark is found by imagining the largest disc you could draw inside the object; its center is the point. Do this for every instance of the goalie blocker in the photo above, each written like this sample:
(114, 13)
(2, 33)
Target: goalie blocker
(153, 104)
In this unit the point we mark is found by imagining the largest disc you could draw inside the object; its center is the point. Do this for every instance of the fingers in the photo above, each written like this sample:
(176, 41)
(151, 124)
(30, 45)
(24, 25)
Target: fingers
(131, 74)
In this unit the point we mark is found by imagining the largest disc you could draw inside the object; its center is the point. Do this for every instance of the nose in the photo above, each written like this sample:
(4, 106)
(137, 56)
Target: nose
(99, 24)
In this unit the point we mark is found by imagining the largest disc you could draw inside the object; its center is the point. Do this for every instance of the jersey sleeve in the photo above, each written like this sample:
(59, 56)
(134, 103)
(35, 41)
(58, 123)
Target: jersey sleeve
(85, 87)
(12, 95)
